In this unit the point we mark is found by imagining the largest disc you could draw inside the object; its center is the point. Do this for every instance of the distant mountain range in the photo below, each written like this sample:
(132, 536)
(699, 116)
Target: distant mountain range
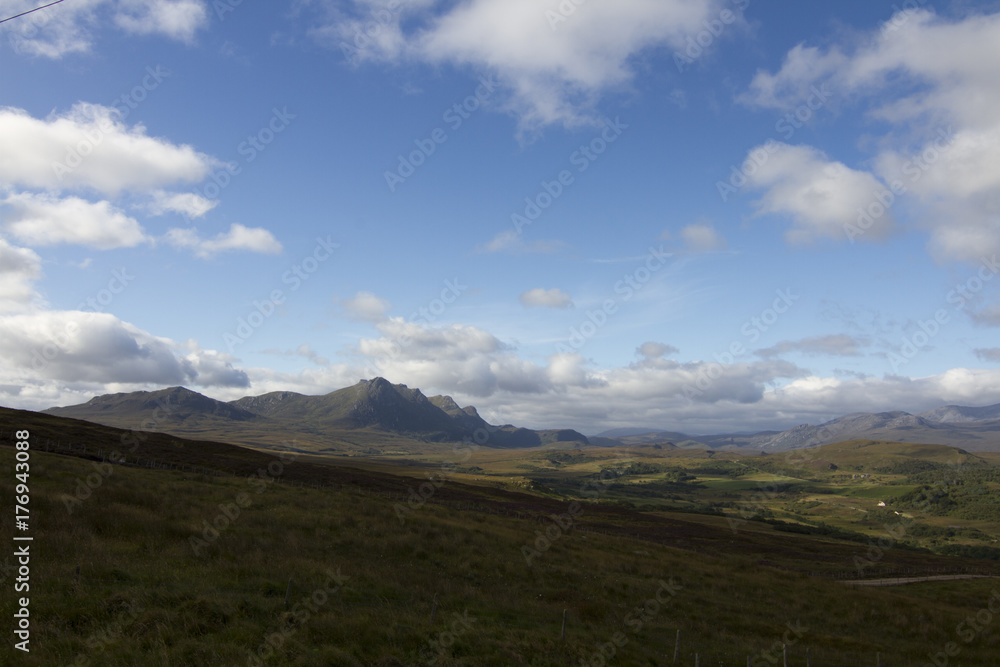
(379, 412)
(972, 429)
(352, 415)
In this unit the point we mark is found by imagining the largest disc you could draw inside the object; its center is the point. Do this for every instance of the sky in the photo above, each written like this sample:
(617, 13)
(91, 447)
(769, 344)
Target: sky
(711, 216)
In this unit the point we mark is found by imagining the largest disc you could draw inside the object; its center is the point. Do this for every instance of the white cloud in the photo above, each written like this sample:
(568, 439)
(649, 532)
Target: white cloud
(47, 220)
(956, 175)
(69, 27)
(19, 269)
(90, 147)
(929, 76)
(96, 349)
(239, 237)
(555, 70)
(52, 32)
(366, 307)
(546, 298)
(186, 203)
(567, 370)
(702, 237)
(65, 357)
(823, 197)
(177, 19)
(210, 368)
(460, 359)
(953, 57)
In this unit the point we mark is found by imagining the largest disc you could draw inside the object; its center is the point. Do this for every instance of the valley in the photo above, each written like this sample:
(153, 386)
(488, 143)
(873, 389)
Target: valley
(455, 553)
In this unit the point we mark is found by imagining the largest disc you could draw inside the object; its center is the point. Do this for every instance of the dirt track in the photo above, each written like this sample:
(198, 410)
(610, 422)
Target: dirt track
(914, 580)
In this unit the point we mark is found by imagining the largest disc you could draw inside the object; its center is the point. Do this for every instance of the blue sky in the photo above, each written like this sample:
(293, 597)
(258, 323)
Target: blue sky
(702, 216)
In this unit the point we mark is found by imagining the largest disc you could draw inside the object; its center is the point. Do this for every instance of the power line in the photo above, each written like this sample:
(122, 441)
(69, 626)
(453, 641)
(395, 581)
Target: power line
(11, 18)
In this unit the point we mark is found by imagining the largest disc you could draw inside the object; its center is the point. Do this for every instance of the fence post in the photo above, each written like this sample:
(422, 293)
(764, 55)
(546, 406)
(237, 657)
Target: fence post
(562, 635)
(784, 654)
(288, 592)
(878, 658)
(434, 608)
(677, 646)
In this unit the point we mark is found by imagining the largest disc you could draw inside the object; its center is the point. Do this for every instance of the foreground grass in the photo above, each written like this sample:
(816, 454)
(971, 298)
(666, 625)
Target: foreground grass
(364, 583)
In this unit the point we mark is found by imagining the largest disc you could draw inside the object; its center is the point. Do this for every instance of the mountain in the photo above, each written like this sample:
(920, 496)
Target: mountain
(375, 403)
(631, 431)
(375, 414)
(969, 428)
(367, 412)
(265, 404)
(960, 413)
(975, 429)
(174, 404)
(467, 416)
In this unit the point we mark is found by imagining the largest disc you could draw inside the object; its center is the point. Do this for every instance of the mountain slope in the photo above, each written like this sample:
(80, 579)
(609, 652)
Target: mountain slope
(973, 435)
(354, 415)
(174, 404)
(960, 413)
(372, 403)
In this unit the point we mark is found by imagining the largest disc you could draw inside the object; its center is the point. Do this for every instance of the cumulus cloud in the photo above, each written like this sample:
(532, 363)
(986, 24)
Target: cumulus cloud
(366, 307)
(554, 70)
(68, 28)
(188, 204)
(823, 197)
(929, 79)
(41, 219)
(19, 269)
(546, 298)
(750, 395)
(840, 345)
(239, 237)
(65, 356)
(98, 348)
(90, 147)
(461, 359)
(568, 370)
(177, 19)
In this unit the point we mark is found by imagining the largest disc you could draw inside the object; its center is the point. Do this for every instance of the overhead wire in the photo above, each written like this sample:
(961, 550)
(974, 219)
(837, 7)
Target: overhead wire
(11, 18)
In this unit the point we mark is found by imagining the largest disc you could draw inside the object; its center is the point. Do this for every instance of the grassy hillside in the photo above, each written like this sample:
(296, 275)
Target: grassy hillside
(135, 566)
